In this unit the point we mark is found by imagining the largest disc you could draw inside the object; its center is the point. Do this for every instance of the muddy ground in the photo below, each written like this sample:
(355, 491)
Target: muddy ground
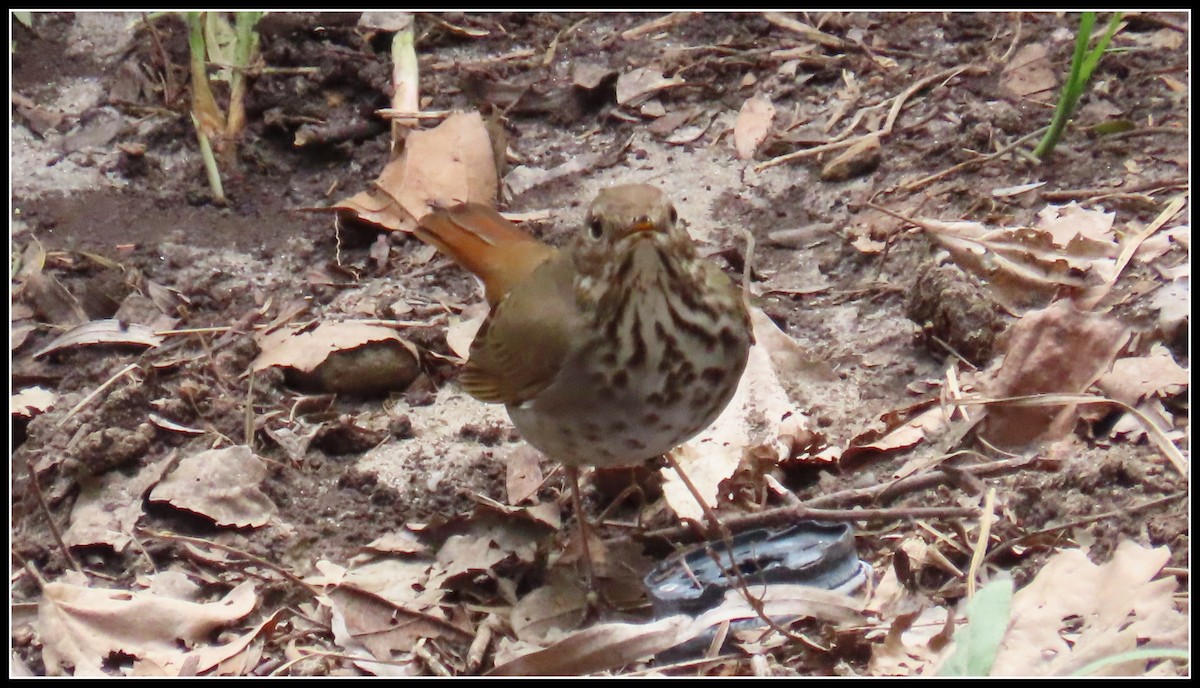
(107, 178)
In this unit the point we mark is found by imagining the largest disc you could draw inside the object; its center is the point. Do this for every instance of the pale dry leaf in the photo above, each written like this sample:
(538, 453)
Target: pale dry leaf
(557, 607)
(1072, 223)
(1173, 301)
(637, 86)
(1161, 242)
(110, 331)
(1023, 265)
(753, 124)
(751, 419)
(1056, 350)
(1028, 72)
(221, 484)
(460, 331)
(385, 629)
(307, 350)
(789, 358)
(171, 426)
(80, 627)
(397, 542)
(389, 22)
(1135, 378)
(612, 645)
(108, 507)
(523, 178)
(451, 163)
(397, 580)
(490, 542)
(31, 401)
(1075, 612)
(523, 474)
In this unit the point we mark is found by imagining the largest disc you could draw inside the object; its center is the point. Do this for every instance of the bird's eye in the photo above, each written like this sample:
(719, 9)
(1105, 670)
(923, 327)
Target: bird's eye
(595, 228)
(674, 215)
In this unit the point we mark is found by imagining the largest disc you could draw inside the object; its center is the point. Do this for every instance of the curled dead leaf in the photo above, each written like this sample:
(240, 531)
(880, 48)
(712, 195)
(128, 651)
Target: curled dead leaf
(752, 126)
(342, 357)
(221, 484)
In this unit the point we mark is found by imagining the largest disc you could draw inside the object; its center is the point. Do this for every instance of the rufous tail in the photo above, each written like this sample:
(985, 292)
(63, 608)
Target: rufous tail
(480, 240)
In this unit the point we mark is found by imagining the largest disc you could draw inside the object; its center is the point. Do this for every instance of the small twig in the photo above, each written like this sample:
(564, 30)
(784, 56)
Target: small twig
(664, 22)
(95, 393)
(1122, 512)
(920, 482)
(315, 592)
(1103, 192)
(981, 543)
(41, 500)
(790, 514)
(1129, 248)
(889, 123)
(983, 159)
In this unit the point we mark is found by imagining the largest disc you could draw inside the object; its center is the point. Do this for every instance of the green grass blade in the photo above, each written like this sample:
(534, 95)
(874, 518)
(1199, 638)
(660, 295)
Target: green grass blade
(977, 643)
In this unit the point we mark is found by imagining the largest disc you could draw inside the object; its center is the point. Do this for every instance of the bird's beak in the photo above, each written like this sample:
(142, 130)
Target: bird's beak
(645, 226)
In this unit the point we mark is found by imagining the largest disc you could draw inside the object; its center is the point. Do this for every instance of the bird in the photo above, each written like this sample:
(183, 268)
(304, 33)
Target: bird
(612, 350)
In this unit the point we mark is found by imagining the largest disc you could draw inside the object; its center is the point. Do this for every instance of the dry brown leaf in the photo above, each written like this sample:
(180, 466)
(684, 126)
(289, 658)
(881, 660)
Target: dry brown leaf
(111, 331)
(397, 542)
(751, 419)
(108, 507)
(752, 126)
(637, 86)
(31, 401)
(341, 357)
(1135, 378)
(221, 484)
(1050, 351)
(1173, 301)
(523, 476)
(609, 646)
(460, 331)
(1075, 612)
(929, 423)
(558, 607)
(1029, 73)
(451, 163)
(857, 160)
(364, 619)
(1022, 265)
(80, 627)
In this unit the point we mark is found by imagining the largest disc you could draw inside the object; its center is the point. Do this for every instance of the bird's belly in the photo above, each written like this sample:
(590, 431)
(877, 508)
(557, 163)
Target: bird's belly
(598, 414)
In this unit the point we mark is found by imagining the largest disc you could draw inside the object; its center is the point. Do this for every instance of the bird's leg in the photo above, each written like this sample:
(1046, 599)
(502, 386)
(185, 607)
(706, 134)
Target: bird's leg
(714, 523)
(585, 549)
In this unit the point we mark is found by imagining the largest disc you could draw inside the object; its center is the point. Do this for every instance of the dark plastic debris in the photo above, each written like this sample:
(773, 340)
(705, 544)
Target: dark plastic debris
(811, 553)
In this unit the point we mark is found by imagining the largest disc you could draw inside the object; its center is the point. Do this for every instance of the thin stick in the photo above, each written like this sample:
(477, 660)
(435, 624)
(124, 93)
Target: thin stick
(315, 592)
(96, 392)
(985, 531)
(893, 114)
(790, 514)
(41, 500)
(1124, 511)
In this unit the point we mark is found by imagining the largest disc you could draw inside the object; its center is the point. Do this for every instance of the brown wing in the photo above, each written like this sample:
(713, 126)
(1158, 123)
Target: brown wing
(527, 338)
(482, 241)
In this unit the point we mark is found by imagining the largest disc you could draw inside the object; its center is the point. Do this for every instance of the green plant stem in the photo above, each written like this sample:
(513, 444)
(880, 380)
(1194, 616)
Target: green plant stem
(1083, 63)
(210, 164)
(245, 46)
